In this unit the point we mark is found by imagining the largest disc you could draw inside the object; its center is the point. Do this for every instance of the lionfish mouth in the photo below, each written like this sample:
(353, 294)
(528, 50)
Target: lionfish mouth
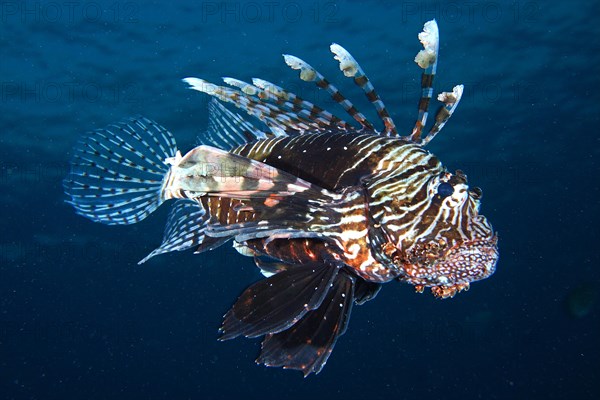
(469, 261)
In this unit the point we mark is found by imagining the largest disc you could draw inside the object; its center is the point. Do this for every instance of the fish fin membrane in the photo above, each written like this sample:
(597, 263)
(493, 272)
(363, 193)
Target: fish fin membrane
(185, 228)
(306, 345)
(274, 304)
(117, 173)
(365, 291)
(227, 129)
(234, 176)
(270, 267)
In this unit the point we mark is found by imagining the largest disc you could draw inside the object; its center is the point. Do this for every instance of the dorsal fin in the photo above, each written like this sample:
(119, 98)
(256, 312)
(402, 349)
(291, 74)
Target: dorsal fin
(309, 74)
(450, 100)
(278, 121)
(428, 59)
(352, 69)
(227, 129)
(285, 113)
(298, 105)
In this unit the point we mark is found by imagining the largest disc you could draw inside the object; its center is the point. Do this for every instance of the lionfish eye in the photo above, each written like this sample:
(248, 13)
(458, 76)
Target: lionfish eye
(445, 189)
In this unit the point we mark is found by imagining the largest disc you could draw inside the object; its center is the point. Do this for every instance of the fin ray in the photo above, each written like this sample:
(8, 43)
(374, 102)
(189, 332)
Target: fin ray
(352, 69)
(309, 74)
(296, 104)
(450, 101)
(307, 345)
(117, 172)
(427, 59)
(276, 303)
(228, 129)
(184, 229)
(279, 121)
(236, 176)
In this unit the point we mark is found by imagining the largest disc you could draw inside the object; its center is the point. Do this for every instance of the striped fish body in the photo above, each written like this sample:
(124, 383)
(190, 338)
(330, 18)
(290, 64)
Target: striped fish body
(332, 160)
(387, 220)
(343, 163)
(329, 210)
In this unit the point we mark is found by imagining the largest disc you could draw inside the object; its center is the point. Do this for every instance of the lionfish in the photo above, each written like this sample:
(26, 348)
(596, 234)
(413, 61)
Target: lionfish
(329, 211)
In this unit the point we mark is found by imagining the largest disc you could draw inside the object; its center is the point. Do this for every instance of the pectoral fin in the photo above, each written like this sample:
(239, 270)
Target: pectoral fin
(306, 346)
(278, 302)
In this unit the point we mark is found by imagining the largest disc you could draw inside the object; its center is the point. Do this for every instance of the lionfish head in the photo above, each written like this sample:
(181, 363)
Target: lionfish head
(440, 240)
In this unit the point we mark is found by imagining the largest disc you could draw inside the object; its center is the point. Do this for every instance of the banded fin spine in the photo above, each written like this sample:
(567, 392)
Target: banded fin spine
(309, 74)
(351, 69)
(450, 101)
(298, 105)
(279, 107)
(117, 173)
(303, 111)
(426, 59)
(279, 121)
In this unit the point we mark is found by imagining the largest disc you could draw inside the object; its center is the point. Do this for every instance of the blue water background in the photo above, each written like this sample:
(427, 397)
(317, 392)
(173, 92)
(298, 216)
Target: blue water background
(80, 320)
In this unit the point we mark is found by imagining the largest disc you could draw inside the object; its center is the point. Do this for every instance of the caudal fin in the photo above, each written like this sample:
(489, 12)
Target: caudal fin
(117, 172)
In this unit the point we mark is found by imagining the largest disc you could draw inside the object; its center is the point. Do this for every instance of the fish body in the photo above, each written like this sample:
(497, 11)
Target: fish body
(328, 210)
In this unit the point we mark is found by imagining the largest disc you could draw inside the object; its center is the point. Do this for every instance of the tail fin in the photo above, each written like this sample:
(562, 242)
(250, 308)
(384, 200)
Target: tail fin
(117, 173)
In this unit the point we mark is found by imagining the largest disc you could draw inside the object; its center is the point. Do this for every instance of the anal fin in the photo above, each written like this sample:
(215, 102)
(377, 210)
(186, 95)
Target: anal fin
(185, 228)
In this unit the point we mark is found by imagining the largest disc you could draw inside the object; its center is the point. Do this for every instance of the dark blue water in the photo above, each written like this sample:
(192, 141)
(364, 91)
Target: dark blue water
(79, 319)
